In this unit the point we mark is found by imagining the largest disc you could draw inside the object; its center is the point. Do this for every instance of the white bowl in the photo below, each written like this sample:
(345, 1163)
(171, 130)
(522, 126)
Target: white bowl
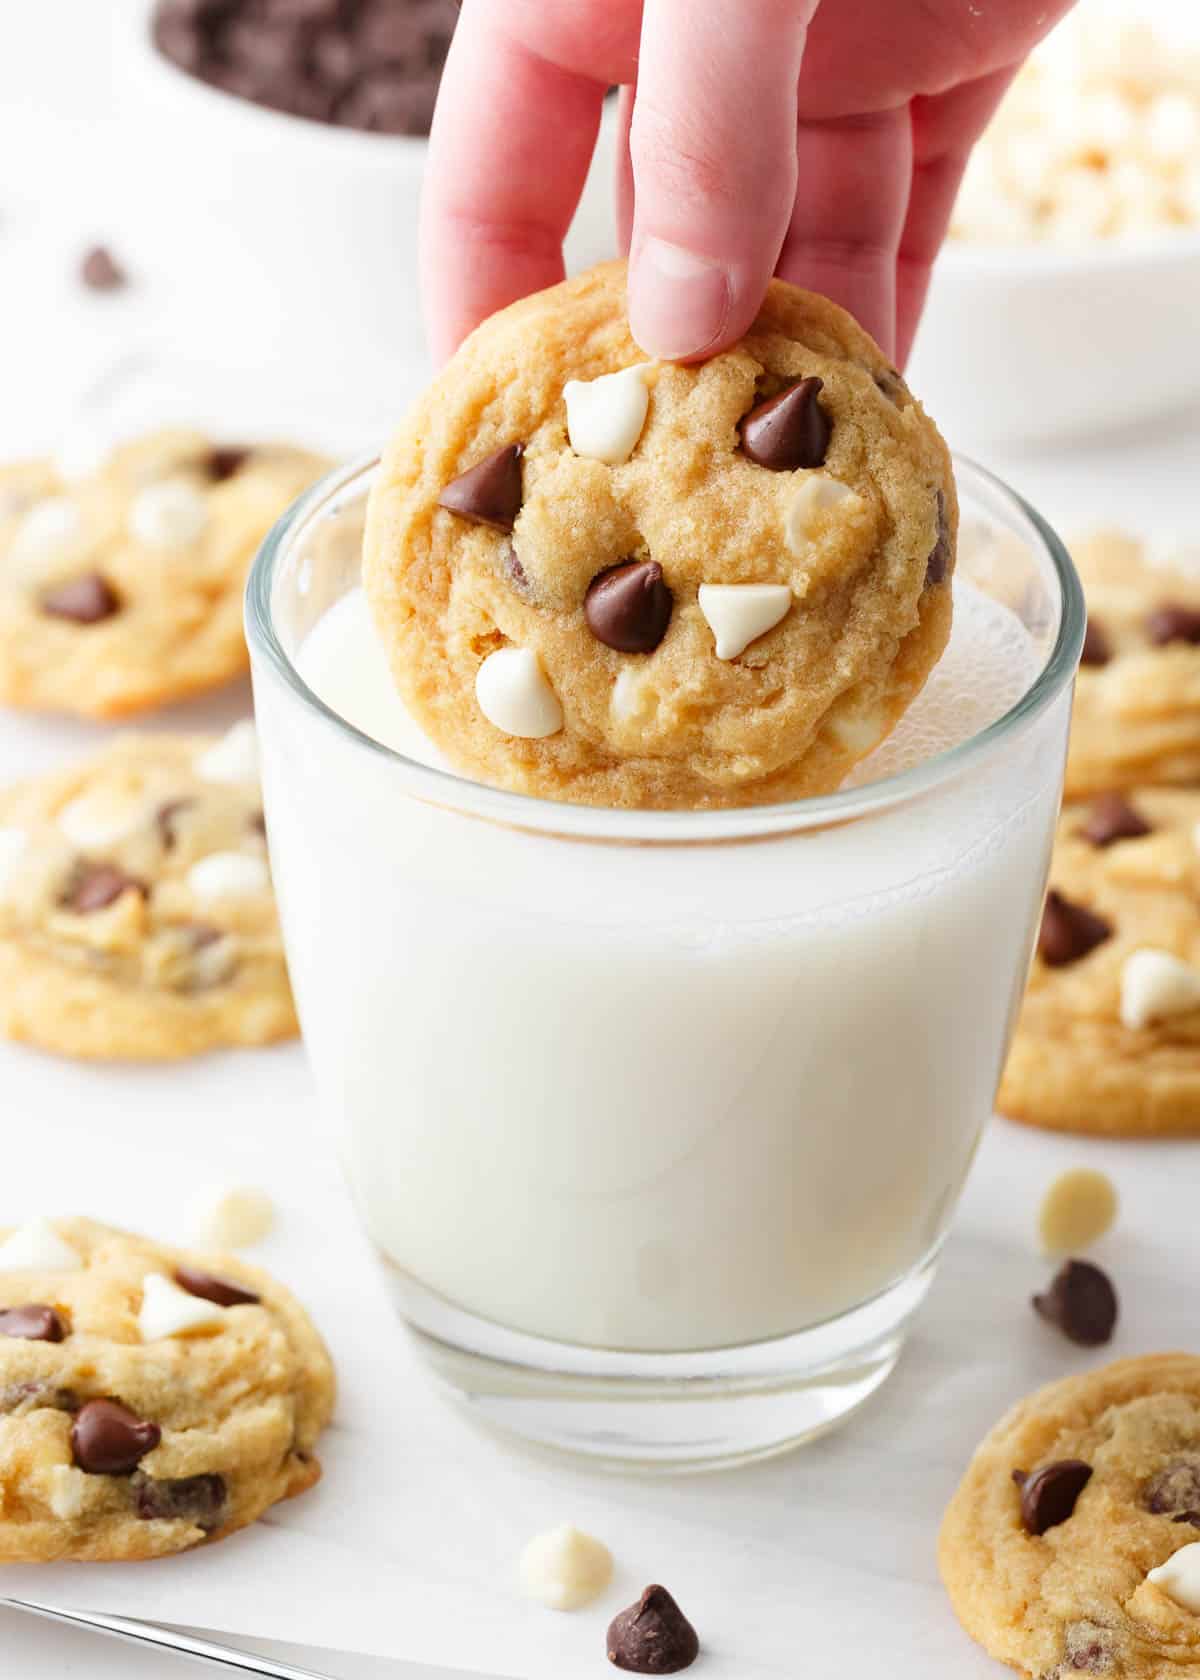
(1039, 344)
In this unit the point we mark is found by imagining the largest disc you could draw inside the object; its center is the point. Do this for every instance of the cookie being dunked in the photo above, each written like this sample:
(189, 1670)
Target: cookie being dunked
(639, 584)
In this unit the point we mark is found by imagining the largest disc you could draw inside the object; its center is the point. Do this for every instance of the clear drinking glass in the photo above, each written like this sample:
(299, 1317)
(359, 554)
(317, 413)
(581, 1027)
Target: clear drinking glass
(657, 1120)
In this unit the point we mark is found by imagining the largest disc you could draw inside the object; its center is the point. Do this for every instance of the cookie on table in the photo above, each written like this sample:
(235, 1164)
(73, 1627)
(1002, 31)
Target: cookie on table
(122, 590)
(137, 918)
(1051, 1572)
(631, 583)
(149, 1399)
(1137, 699)
(1108, 1038)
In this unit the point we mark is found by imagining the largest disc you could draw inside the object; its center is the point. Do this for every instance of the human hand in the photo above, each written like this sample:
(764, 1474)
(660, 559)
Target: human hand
(821, 140)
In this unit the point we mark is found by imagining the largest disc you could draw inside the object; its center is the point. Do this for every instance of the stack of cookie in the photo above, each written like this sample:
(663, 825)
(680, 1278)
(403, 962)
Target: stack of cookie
(1108, 1039)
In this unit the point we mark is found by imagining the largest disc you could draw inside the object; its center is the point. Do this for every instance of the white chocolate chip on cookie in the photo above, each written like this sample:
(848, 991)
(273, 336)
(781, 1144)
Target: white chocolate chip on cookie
(605, 416)
(514, 694)
(1155, 985)
(1179, 1577)
(167, 1310)
(50, 528)
(234, 758)
(739, 613)
(37, 1246)
(228, 875)
(168, 515)
(93, 821)
(817, 498)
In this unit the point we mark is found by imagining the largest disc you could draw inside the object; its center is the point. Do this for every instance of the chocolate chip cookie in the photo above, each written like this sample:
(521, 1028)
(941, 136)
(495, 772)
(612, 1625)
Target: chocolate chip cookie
(1108, 1039)
(638, 584)
(137, 917)
(1053, 1548)
(1137, 699)
(122, 590)
(149, 1399)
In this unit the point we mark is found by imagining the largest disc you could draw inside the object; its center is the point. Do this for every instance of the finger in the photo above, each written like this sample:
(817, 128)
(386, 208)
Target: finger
(852, 195)
(624, 176)
(945, 128)
(512, 138)
(712, 141)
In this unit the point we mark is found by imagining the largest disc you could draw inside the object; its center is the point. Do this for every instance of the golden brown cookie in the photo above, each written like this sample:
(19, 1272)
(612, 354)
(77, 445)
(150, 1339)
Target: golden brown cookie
(122, 590)
(149, 1399)
(1108, 1039)
(638, 584)
(1137, 699)
(1110, 1474)
(137, 917)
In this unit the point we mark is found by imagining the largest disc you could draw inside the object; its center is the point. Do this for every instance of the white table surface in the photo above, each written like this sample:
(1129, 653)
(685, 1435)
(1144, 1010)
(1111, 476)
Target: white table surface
(54, 341)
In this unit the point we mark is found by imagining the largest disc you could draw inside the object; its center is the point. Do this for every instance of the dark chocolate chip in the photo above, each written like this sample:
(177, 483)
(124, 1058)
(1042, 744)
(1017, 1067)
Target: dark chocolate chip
(33, 1323)
(490, 491)
(1176, 1487)
(938, 564)
(1088, 1649)
(164, 819)
(97, 885)
(100, 271)
(1191, 1517)
(513, 570)
(196, 1499)
(33, 1396)
(628, 607)
(221, 464)
(1081, 1302)
(1173, 622)
(1096, 649)
(1049, 1495)
(652, 1636)
(108, 1439)
(200, 934)
(269, 49)
(210, 1288)
(388, 101)
(1112, 818)
(84, 600)
(1069, 931)
(257, 824)
(788, 431)
(892, 385)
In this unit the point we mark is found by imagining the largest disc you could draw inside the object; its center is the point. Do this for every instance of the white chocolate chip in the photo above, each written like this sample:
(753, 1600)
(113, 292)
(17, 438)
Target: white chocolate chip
(170, 514)
(37, 1247)
(234, 758)
(817, 496)
(231, 1216)
(51, 527)
(95, 820)
(67, 1490)
(605, 416)
(1076, 1211)
(739, 613)
(14, 842)
(565, 1568)
(514, 694)
(168, 1310)
(1179, 1577)
(228, 875)
(1155, 985)
(627, 694)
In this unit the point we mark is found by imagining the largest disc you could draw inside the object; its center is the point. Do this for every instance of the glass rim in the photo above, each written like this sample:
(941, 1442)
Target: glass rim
(451, 790)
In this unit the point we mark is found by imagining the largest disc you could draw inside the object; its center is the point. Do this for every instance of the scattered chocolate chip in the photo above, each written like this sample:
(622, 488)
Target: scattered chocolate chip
(938, 563)
(210, 1288)
(1112, 818)
(195, 1499)
(790, 430)
(1069, 931)
(1096, 649)
(97, 885)
(164, 819)
(108, 1439)
(100, 271)
(1176, 1487)
(33, 1323)
(1173, 623)
(1049, 1495)
(652, 1636)
(1081, 1302)
(84, 600)
(628, 607)
(490, 491)
(223, 463)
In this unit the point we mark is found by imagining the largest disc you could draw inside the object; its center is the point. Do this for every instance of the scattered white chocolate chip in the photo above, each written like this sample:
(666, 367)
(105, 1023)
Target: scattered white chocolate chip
(1155, 985)
(13, 845)
(234, 758)
(565, 1568)
(50, 527)
(92, 821)
(816, 497)
(1179, 1577)
(37, 1247)
(605, 416)
(739, 613)
(228, 875)
(1076, 1211)
(169, 514)
(167, 1310)
(514, 694)
(231, 1216)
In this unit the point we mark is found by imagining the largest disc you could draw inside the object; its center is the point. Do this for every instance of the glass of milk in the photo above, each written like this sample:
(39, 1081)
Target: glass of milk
(657, 1119)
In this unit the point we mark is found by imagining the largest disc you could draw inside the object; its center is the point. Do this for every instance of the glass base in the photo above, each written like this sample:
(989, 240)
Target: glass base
(667, 1412)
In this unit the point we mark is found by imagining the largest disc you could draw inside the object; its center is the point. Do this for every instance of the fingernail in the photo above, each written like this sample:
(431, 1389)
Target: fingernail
(678, 301)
